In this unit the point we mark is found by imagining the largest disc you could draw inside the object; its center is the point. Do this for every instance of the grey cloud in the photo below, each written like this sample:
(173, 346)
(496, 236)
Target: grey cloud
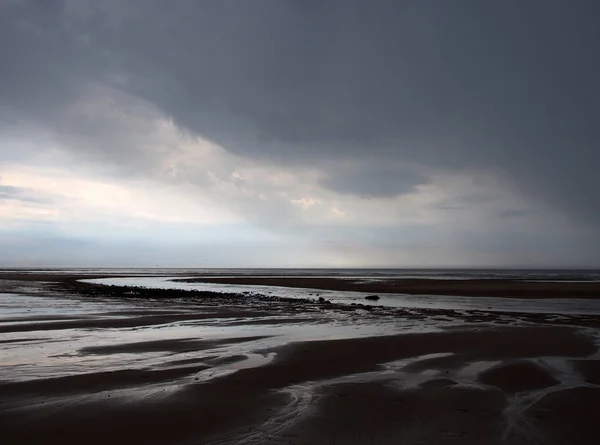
(47, 244)
(513, 213)
(466, 201)
(10, 190)
(372, 181)
(20, 194)
(510, 87)
(460, 247)
(43, 68)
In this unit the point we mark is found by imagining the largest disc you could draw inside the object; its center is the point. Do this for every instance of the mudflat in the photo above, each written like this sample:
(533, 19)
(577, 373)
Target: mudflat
(99, 365)
(417, 286)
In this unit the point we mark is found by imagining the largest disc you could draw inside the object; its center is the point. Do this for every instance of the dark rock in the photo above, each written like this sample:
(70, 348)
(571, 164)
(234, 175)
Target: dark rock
(372, 297)
(438, 383)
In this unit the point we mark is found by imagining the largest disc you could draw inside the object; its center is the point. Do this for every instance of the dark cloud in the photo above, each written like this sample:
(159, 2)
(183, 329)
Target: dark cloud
(372, 181)
(506, 87)
(467, 201)
(513, 213)
(43, 68)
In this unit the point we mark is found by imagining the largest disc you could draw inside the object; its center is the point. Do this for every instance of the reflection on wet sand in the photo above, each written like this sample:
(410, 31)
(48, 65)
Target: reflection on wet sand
(87, 365)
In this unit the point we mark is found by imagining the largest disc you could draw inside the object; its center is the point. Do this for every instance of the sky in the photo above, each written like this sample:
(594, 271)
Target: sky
(299, 133)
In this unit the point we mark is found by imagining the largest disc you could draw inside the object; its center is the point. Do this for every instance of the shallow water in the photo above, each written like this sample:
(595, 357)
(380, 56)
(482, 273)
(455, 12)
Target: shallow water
(34, 352)
(491, 304)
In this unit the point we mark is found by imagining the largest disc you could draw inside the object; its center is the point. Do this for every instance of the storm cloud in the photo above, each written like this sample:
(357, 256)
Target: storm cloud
(363, 100)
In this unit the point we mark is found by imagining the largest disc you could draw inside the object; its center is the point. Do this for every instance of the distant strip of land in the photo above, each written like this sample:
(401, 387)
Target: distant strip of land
(420, 286)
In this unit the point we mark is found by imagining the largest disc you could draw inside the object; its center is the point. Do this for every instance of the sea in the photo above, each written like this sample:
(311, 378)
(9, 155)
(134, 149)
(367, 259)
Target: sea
(573, 275)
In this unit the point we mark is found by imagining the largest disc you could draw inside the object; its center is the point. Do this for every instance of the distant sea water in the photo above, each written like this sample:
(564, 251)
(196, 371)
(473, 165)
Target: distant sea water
(583, 275)
(163, 278)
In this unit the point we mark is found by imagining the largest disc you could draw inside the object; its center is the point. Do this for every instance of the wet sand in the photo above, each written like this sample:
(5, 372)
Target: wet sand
(470, 288)
(200, 368)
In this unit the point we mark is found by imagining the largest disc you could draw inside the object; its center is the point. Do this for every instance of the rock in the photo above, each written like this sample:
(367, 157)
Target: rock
(372, 297)
(321, 300)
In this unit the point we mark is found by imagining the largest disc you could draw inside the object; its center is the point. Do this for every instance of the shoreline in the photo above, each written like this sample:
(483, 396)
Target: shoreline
(487, 287)
(230, 305)
(261, 304)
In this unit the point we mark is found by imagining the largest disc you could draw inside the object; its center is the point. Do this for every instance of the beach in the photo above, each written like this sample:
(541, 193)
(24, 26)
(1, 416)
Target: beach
(87, 363)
